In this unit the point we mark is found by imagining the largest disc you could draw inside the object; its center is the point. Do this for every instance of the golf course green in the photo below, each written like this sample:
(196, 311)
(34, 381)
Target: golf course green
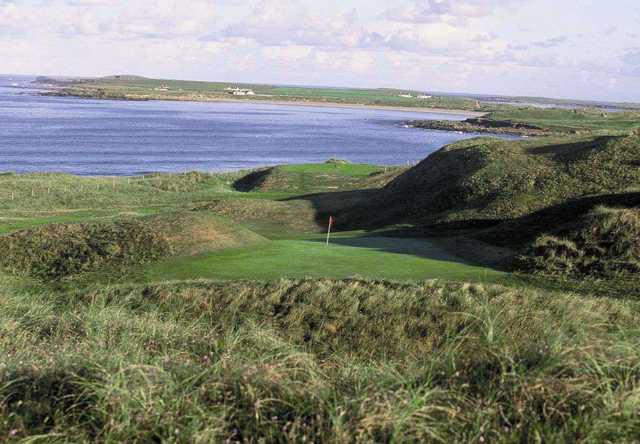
(346, 256)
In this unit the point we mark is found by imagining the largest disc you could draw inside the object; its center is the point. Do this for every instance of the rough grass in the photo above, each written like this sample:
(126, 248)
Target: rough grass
(487, 180)
(271, 218)
(317, 361)
(57, 251)
(605, 243)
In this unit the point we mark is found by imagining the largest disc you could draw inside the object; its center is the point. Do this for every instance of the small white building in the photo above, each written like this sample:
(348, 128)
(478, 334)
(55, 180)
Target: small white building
(425, 96)
(406, 96)
(239, 91)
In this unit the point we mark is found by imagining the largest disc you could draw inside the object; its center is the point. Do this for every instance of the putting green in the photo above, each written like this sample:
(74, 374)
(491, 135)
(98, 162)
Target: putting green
(373, 257)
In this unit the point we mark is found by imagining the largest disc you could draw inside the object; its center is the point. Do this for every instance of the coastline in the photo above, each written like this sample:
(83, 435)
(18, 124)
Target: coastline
(316, 104)
(483, 126)
(307, 103)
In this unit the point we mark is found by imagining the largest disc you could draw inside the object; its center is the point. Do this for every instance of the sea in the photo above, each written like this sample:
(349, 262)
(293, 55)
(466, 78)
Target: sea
(110, 137)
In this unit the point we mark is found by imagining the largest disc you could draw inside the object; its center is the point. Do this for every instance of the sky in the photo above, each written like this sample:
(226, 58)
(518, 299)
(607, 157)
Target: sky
(581, 49)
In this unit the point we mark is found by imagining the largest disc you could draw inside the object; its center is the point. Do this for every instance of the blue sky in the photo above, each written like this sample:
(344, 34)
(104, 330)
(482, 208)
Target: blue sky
(575, 48)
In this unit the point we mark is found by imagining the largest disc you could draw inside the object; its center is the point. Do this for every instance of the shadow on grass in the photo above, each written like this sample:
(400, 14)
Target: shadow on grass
(423, 248)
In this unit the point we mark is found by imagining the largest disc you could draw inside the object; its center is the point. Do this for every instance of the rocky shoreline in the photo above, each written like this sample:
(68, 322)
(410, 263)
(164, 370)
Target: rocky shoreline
(482, 125)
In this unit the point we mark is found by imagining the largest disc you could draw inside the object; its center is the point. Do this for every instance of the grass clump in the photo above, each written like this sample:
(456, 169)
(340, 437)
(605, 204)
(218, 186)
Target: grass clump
(57, 251)
(317, 361)
(606, 245)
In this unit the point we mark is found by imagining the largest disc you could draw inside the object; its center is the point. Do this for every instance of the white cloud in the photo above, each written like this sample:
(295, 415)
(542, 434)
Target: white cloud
(451, 11)
(285, 22)
(474, 45)
(111, 19)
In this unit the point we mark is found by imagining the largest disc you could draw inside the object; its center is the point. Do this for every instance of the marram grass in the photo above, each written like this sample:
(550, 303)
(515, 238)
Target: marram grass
(317, 361)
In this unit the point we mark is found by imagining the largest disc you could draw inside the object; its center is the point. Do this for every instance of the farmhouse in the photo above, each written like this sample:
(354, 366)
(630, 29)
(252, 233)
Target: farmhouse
(239, 91)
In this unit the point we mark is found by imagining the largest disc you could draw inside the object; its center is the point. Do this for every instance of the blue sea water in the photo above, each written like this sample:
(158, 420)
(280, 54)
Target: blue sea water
(96, 137)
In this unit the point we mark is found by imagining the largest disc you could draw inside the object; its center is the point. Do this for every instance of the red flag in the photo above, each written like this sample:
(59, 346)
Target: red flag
(331, 221)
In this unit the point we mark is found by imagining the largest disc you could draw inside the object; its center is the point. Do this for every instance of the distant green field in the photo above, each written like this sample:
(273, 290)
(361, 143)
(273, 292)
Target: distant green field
(141, 88)
(562, 120)
(347, 255)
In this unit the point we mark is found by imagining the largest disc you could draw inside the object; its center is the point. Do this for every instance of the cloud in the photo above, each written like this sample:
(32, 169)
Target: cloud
(452, 11)
(435, 44)
(551, 42)
(631, 62)
(12, 18)
(285, 22)
(108, 18)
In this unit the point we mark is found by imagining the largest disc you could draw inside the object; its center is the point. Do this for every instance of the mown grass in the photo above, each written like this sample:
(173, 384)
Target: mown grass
(347, 255)
(317, 361)
(336, 167)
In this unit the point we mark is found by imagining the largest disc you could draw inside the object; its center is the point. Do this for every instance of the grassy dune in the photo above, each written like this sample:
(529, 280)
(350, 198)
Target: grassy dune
(194, 225)
(317, 360)
(485, 180)
(58, 251)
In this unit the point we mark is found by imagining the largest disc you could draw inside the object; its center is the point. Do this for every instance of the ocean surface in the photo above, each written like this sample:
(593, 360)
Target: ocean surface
(97, 137)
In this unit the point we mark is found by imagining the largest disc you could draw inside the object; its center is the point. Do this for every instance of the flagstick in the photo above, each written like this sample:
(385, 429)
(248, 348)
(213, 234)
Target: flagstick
(329, 230)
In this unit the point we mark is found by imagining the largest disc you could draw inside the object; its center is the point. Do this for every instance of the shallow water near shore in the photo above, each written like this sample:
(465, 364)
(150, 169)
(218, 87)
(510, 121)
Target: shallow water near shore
(94, 137)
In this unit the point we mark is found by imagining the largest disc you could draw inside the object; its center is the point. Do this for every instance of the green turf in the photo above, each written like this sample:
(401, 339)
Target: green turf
(372, 257)
(344, 169)
(563, 120)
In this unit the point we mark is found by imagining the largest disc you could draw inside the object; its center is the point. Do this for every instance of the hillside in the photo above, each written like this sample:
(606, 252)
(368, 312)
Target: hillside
(484, 181)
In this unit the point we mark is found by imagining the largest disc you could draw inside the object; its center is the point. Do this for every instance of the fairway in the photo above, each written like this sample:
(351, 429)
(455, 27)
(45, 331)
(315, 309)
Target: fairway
(347, 255)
